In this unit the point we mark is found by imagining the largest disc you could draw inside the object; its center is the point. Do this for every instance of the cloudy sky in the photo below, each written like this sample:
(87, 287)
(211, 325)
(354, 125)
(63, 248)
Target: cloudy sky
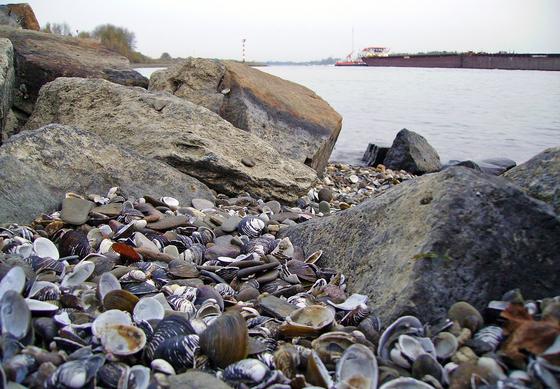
(301, 30)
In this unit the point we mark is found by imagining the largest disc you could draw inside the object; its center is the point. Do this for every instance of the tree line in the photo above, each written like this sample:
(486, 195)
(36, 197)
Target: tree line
(118, 39)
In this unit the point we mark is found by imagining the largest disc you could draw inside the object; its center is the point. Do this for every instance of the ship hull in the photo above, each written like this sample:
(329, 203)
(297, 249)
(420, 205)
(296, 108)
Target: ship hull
(472, 61)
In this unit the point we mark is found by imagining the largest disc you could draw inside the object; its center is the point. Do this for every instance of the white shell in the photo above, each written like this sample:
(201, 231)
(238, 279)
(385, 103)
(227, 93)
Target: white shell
(80, 274)
(357, 365)
(108, 318)
(351, 302)
(43, 247)
(446, 344)
(122, 339)
(148, 308)
(405, 383)
(13, 280)
(105, 246)
(24, 250)
(107, 282)
(410, 347)
(171, 202)
(40, 306)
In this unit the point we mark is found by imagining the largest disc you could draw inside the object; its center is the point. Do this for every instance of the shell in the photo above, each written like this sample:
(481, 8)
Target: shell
(15, 315)
(126, 252)
(352, 302)
(331, 346)
(307, 321)
(80, 274)
(111, 373)
(167, 328)
(179, 351)
(357, 368)
(405, 383)
(226, 340)
(76, 373)
(316, 372)
(40, 264)
(109, 318)
(43, 248)
(251, 226)
(246, 371)
(74, 243)
(181, 304)
(107, 283)
(445, 344)
(148, 308)
(138, 377)
(403, 325)
(122, 339)
(13, 280)
(120, 299)
(161, 365)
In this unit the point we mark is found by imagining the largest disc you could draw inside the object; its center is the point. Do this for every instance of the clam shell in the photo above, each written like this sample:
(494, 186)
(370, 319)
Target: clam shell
(139, 377)
(80, 274)
(14, 315)
(120, 299)
(316, 372)
(107, 319)
(403, 325)
(445, 344)
(161, 365)
(226, 340)
(43, 247)
(122, 339)
(405, 383)
(148, 308)
(331, 346)
(352, 302)
(357, 368)
(111, 373)
(307, 321)
(13, 280)
(107, 283)
(183, 269)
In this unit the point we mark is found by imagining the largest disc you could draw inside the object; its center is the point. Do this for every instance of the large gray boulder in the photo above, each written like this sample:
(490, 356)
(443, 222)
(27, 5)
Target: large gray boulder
(7, 78)
(412, 152)
(429, 242)
(291, 117)
(40, 166)
(177, 132)
(540, 177)
(41, 57)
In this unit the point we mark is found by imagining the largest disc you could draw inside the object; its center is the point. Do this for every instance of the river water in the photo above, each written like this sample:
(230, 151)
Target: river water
(464, 113)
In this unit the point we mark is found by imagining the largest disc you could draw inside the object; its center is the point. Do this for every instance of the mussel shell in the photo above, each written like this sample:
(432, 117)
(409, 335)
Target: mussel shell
(331, 346)
(179, 351)
(167, 328)
(182, 304)
(139, 288)
(205, 292)
(226, 340)
(262, 245)
(13, 280)
(111, 373)
(74, 242)
(445, 344)
(304, 271)
(76, 373)
(40, 264)
(251, 226)
(246, 371)
(79, 275)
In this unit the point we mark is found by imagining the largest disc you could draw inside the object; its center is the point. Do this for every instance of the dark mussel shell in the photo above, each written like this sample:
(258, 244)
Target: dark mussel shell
(139, 288)
(40, 264)
(167, 328)
(251, 226)
(74, 242)
(179, 351)
(263, 245)
(226, 340)
(111, 373)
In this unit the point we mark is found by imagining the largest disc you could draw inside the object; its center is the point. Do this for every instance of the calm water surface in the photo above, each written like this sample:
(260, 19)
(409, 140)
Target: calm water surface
(464, 113)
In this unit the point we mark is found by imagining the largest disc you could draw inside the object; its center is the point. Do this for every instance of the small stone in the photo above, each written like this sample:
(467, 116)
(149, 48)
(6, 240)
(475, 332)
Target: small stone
(230, 224)
(275, 306)
(201, 204)
(167, 223)
(75, 210)
(248, 162)
(111, 209)
(354, 179)
(324, 208)
(325, 194)
(464, 355)
(274, 206)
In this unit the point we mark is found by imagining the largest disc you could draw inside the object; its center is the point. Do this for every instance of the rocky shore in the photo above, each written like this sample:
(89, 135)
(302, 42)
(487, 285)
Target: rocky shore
(189, 232)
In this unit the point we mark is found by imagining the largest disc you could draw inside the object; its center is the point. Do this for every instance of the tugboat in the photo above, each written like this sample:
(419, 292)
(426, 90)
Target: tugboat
(368, 52)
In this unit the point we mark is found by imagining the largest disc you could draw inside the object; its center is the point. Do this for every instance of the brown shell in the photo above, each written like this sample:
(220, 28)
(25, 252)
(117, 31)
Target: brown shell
(120, 299)
(127, 253)
(226, 340)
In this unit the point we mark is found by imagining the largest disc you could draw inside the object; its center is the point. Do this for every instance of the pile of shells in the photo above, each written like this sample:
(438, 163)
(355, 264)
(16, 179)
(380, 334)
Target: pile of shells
(118, 292)
(345, 185)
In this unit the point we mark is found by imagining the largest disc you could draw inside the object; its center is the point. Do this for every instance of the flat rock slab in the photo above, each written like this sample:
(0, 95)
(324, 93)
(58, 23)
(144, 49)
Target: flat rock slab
(40, 166)
(75, 211)
(445, 237)
(175, 131)
(42, 57)
(539, 177)
(7, 79)
(291, 117)
(169, 222)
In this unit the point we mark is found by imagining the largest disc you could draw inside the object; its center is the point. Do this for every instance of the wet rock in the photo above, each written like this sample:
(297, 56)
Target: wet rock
(201, 204)
(325, 194)
(195, 379)
(412, 152)
(39, 167)
(7, 79)
(41, 57)
(181, 134)
(440, 238)
(21, 15)
(75, 210)
(496, 166)
(539, 177)
(375, 154)
(292, 118)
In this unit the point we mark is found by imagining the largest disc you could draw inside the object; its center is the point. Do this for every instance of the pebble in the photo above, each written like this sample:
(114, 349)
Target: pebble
(202, 204)
(169, 222)
(324, 208)
(248, 162)
(325, 194)
(230, 224)
(75, 210)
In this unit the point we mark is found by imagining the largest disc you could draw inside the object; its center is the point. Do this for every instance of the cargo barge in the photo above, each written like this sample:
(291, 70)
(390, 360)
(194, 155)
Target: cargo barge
(470, 61)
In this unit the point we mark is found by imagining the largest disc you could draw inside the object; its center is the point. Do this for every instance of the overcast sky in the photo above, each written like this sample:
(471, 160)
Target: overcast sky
(301, 30)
